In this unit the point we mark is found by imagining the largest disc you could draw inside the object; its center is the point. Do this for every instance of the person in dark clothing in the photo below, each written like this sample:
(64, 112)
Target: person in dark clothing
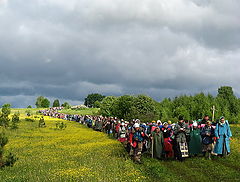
(180, 140)
(207, 134)
(205, 119)
(108, 127)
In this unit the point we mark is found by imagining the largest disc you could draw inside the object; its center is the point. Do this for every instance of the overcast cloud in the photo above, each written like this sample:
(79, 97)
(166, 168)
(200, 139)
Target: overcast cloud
(163, 48)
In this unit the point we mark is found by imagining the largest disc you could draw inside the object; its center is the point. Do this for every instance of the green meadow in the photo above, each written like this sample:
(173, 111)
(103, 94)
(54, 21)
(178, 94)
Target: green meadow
(81, 154)
(83, 111)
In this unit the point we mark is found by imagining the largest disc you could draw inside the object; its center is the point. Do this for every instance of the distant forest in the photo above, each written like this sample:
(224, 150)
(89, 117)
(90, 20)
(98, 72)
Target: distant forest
(190, 107)
(147, 109)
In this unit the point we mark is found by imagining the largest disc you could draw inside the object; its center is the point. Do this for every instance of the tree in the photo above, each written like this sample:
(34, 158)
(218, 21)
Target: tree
(42, 102)
(66, 105)
(122, 107)
(182, 111)
(45, 103)
(166, 110)
(15, 121)
(10, 159)
(92, 98)
(6, 109)
(97, 104)
(4, 119)
(106, 107)
(225, 92)
(29, 107)
(146, 108)
(227, 98)
(39, 101)
(130, 107)
(201, 106)
(56, 103)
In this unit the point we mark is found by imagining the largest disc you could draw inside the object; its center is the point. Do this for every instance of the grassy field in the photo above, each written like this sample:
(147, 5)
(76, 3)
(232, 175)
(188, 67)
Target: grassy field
(23, 110)
(84, 111)
(81, 154)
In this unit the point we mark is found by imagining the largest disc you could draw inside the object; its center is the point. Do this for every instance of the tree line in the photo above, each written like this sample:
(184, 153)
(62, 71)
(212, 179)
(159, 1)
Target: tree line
(91, 101)
(43, 102)
(191, 107)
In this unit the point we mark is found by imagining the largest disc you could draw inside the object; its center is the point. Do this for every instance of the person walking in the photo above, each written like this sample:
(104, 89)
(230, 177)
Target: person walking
(223, 135)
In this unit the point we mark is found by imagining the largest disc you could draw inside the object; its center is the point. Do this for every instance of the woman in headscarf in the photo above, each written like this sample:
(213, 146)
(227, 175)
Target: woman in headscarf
(167, 133)
(195, 143)
(122, 131)
(207, 134)
(223, 134)
(158, 141)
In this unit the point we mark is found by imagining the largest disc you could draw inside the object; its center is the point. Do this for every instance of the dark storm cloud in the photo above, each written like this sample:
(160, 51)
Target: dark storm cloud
(68, 49)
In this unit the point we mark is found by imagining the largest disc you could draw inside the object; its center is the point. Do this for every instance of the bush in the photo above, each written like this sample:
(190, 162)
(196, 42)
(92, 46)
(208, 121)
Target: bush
(28, 112)
(10, 158)
(61, 125)
(15, 121)
(4, 120)
(41, 123)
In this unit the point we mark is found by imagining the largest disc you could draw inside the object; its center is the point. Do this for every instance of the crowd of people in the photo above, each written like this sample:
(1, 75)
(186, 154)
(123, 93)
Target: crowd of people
(163, 140)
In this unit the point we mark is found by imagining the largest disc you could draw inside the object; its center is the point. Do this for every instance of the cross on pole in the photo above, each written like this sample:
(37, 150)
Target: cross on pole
(213, 112)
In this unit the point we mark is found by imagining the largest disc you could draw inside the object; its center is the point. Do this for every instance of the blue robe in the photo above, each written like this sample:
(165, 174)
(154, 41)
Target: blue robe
(224, 133)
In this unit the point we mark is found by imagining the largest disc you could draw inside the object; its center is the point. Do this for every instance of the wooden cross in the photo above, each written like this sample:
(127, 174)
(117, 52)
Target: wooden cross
(213, 114)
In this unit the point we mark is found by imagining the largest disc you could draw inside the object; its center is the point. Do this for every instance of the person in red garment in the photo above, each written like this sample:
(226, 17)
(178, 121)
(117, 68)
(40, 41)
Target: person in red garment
(167, 133)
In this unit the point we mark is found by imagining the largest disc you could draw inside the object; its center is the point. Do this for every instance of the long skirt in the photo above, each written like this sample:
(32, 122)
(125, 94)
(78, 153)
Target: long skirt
(168, 148)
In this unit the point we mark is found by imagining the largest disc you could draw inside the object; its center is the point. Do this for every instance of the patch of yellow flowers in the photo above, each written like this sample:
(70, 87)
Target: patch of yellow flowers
(74, 154)
(75, 172)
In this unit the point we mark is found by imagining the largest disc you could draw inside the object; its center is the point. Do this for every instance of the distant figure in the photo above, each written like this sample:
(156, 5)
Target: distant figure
(223, 134)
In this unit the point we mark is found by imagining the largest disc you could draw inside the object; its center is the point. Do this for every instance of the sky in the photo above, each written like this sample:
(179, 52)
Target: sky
(161, 48)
